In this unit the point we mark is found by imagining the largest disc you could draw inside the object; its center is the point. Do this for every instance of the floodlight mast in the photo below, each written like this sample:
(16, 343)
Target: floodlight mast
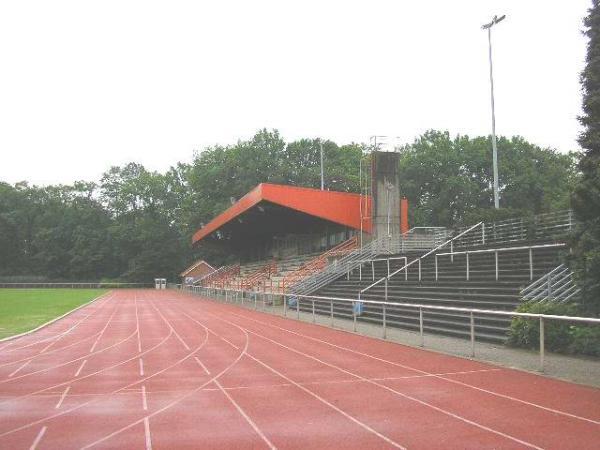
(488, 27)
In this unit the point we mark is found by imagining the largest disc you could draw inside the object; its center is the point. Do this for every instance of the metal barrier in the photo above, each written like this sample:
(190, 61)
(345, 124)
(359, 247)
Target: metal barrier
(541, 226)
(418, 260)
(556, 286)
(74, 285)
(530, 248)
(327, 306)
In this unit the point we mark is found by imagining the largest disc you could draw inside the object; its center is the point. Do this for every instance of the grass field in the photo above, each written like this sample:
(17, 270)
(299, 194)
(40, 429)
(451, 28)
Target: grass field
(24, 309)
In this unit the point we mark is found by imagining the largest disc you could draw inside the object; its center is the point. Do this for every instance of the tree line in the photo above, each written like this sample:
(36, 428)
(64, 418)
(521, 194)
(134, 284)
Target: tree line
(135, 224)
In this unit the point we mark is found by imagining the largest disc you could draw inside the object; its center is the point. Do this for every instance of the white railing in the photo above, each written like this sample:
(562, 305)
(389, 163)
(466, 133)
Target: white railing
(496, 251)
(449, 242)
(541, 226)
(387, 260)
(201, 279)
(258, 300)
(336, 268)
(556, 286)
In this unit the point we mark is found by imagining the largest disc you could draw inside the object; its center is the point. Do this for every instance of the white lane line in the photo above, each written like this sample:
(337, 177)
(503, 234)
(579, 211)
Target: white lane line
(439, 376)
(14, 372)
(38, 438)
(245, 416)
(202, 365)
(401, 394)
(103, 330)
(233, 345)
(137, 324)
(144, 399)
(80, 367)
(62, 397)
(147, 432)
(289, 380)
(331, 405)
(141, 367)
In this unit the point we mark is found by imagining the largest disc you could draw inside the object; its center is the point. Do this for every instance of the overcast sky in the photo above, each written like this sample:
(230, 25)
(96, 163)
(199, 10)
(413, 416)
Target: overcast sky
(86, 85)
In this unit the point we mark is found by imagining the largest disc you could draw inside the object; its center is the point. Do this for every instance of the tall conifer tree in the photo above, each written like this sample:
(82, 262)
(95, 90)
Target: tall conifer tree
(586, 199)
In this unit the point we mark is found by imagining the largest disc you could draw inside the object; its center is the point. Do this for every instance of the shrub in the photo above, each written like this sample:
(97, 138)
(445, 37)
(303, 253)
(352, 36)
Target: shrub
(560, 336)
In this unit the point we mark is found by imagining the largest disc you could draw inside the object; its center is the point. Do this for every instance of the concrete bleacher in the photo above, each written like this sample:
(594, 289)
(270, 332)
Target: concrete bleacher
(451, 288)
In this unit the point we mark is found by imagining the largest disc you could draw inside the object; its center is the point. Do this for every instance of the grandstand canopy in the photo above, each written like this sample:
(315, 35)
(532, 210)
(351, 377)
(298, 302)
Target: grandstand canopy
(272, 209)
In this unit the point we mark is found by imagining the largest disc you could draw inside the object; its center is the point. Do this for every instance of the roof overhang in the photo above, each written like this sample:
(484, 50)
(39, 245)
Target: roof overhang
(342, 208)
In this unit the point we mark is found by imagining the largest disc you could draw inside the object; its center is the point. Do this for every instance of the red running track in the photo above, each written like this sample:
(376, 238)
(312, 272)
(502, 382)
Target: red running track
(162, 369)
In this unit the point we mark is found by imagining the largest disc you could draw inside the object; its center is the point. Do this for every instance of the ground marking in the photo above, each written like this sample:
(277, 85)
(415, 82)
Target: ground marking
(36, 422)
(147, 432)
(144, 400)
(289, 380)
(62, 397)
(38, 438)
(202, 365)
(137, 324)
(401, 394)
(450, 380)
(245, 416)
(103, 330)
(80, 367)
(169, 405)
(19, 368)
(141, 367)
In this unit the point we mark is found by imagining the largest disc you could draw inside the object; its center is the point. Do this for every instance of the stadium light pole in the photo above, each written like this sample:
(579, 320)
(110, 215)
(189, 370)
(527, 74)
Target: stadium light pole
(488, 27)
(322, 170)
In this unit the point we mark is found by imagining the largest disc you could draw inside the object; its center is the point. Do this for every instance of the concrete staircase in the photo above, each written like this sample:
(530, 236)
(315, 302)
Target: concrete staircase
(451, 288)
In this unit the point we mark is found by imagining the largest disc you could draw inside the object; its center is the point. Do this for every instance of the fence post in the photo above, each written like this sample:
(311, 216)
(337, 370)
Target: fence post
(419, 269)
(472, 335)
(360, 272)
(542, 349)
(384, 323)
(284, 305)
(467, 253)
(421, 327)
(436, 267)
(483, 233)
(354, 304)
(331, 309)
(388, 267)
(530, 264)
(313, 310)
(496, 258)
(386, 290)
(451, 251)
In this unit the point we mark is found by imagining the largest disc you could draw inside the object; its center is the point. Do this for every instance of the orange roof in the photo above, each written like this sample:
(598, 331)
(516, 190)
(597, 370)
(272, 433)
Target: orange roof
(339, 207)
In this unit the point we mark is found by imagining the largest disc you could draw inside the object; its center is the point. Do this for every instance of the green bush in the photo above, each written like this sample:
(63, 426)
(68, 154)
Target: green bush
(525, 332)
(560, 336)
(586, 341)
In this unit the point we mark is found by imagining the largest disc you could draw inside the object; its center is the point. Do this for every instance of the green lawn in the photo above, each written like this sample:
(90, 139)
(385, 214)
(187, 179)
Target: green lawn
(24, 309)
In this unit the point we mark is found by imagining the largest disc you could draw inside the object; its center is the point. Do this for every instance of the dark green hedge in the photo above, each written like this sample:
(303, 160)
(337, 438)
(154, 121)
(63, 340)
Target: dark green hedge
(560, 336)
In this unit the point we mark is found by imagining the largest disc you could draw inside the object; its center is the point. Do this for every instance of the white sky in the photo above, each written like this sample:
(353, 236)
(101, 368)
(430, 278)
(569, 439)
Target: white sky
(86, 85)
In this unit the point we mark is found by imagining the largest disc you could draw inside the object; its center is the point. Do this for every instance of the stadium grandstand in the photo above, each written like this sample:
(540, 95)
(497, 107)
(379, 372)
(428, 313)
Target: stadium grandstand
(294, 241)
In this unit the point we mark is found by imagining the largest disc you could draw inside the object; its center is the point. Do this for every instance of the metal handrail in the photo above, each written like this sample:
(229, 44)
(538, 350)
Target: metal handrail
(557, 285)
(334, 270)
(496, 251)
(406, 266)
(420, 307)
(502, 249)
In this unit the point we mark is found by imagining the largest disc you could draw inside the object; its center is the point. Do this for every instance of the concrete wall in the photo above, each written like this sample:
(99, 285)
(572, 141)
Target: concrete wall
(386, 194)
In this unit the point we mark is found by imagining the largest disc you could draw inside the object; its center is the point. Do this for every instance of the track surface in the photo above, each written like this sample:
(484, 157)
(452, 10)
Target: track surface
(161, 369)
